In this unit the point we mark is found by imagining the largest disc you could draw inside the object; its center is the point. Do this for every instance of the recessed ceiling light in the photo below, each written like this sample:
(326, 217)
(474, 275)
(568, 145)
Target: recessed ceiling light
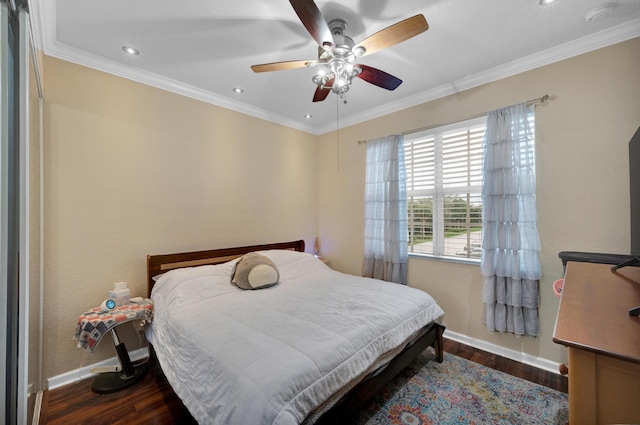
(308, 116)
(237, 90)
(130, 50)
(546, 2)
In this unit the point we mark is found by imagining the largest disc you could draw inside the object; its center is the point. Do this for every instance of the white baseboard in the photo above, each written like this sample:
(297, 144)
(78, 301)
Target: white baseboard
(518, 356)
(548, 365)
(85, 372)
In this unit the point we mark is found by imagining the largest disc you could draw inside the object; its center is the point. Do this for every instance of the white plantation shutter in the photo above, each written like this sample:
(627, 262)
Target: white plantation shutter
(444, 185)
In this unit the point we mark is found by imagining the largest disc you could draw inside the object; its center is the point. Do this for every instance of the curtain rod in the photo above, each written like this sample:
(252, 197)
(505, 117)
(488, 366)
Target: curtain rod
(530, 102)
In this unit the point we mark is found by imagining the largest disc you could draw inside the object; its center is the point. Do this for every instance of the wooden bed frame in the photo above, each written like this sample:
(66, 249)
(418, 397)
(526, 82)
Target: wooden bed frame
(354, 399)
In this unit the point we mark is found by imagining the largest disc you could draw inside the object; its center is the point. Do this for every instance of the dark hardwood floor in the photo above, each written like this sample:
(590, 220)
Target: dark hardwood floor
(512, 367)
(152, 401)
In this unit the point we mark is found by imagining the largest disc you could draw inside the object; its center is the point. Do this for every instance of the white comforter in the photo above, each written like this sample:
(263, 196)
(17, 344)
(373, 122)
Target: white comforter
(271, 356)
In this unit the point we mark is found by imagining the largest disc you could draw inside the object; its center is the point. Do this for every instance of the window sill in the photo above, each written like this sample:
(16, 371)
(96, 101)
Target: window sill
(469, 261)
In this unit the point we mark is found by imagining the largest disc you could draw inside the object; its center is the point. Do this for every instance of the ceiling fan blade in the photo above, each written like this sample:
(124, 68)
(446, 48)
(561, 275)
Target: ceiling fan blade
(321, 94)
(323, 91)
(313, 21)
(394, 34)
(379, 78)
(279, 66)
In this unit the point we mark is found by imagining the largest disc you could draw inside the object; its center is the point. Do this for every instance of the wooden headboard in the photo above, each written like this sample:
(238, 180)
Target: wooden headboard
(158, 264)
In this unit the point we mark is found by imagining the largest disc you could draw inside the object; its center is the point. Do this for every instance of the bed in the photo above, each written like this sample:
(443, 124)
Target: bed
(310, 349)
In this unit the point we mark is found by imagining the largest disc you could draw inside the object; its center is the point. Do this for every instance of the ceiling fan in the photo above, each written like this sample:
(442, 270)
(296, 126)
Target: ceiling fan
(337, 52)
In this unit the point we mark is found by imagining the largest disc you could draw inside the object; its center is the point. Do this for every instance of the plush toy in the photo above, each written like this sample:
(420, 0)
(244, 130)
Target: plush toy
(254, 271)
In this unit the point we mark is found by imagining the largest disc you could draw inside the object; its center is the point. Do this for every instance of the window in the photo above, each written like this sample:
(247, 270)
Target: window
(444, 190)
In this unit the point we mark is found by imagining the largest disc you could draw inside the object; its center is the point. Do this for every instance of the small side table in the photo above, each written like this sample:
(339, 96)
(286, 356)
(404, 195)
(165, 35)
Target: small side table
(94, 324)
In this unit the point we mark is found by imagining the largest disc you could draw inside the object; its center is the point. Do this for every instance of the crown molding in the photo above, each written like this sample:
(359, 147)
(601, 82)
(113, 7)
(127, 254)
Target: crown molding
(608, 37)
(44, 21)
(77, 56)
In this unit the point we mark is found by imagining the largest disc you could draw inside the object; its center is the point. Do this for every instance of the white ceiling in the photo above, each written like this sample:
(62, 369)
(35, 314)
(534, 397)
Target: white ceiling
(203, 49)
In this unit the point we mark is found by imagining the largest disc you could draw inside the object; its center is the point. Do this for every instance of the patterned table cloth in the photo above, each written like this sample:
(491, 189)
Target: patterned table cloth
(94, 324)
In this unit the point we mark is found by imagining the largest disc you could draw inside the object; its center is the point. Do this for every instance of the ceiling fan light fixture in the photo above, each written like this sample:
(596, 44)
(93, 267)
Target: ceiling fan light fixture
(321, 78)
(340, 87)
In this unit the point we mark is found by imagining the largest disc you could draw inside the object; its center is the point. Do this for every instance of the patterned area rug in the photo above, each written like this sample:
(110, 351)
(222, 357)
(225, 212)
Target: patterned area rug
(462, 392)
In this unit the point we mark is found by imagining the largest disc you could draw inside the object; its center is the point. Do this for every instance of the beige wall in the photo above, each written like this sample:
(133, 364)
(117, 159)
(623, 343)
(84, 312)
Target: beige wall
(131, 170)
(582, 175)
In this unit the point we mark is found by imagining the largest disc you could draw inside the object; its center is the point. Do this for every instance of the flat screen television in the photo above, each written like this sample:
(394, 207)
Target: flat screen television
(634, 185)
(634, 196)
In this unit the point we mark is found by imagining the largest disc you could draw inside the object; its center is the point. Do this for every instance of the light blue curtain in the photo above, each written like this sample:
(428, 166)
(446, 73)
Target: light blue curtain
(385, 211)
(510, 243)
